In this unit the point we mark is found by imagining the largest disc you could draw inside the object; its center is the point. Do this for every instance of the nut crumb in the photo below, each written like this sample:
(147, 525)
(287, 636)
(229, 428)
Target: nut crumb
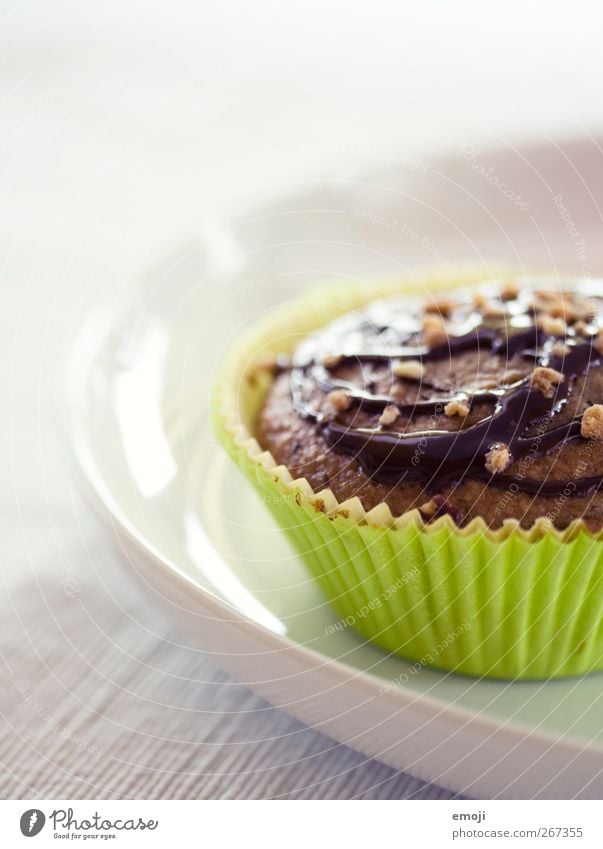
(561, 309)
(581, 328)
(486, 383)
(389, 415)
(565, 305)
(442, 307)
(548, 294)
(512, 376)
(591, 308)
(480, 301)
(560, 350)
(331, 360)
(494, 311)
(428, 509)
(544, 380)
(509, 291)
(339, 400)
(592, 422)
(487, 307)
(456, 408)
(552, 326)
(411, 369)
(584, 310)
(434, 330)
(498, 457)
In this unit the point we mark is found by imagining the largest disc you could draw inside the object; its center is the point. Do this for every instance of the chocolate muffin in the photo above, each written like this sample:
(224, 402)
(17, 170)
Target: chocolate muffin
(486, 404)
(436, 464)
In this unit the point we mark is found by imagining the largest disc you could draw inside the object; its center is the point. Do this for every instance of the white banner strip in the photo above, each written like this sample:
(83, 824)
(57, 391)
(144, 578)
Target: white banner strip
(302, 825)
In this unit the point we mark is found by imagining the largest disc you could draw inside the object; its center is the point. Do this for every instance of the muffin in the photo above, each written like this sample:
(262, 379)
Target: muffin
(437, 461)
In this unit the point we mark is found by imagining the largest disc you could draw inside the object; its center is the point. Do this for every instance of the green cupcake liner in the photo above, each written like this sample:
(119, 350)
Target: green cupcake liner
(504, 603)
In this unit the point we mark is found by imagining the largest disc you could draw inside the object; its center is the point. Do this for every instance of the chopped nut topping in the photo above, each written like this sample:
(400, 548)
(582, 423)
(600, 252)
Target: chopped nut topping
(551, 308)
(389, 415)
(584, 310)
(412, 369)
(544, 380)
(486, 383)
(487, 307)
(591, 308)
(566, 305)
(494, 311)
(480, 301)
(498, 457)
(548, 295)
(537, 306)
(560, 350)
(457, 408)
(592, 422)
(331, 360)
(509, 291)
(581, 328)
(440, 307)
(339, 400)
(428, 509)
(561, 309)
(434, 330)
(552, 326)
(512, 376)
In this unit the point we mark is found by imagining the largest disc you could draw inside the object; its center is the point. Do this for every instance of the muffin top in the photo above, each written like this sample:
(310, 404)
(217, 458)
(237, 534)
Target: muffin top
(486, 403)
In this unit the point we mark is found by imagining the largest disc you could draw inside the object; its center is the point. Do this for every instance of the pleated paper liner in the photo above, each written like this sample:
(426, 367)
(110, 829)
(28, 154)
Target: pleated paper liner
(504, 603)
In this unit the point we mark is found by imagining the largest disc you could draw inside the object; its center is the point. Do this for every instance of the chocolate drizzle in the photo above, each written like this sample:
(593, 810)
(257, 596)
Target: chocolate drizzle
(439, 456)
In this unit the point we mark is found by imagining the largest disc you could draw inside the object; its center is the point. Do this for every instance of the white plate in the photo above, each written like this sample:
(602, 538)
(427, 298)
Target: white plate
(208, 551)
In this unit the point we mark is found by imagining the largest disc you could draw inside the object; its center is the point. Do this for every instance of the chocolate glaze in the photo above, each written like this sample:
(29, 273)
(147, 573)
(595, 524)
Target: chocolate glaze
(445, 456)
